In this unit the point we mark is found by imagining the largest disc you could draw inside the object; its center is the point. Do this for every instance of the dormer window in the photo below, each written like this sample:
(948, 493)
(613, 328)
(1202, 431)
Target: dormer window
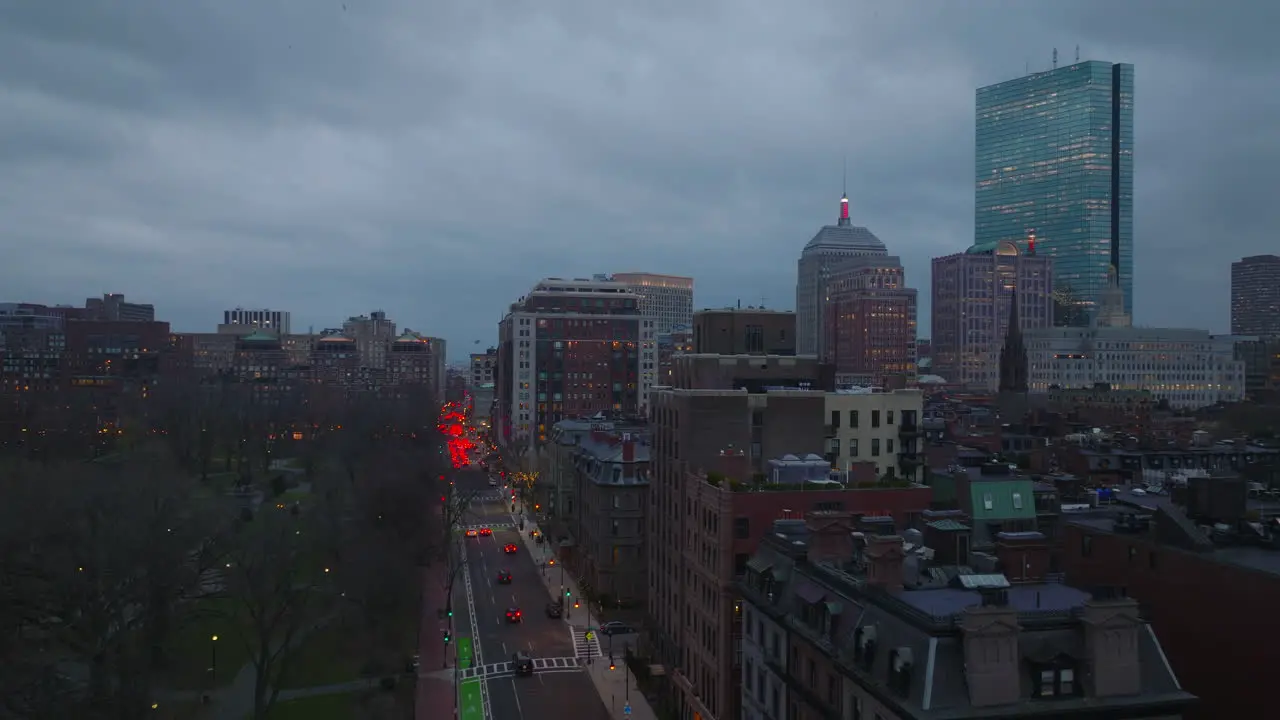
(900, 665)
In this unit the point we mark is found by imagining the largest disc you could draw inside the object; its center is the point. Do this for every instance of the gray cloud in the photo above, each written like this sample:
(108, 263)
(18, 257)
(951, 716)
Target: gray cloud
(435, 159)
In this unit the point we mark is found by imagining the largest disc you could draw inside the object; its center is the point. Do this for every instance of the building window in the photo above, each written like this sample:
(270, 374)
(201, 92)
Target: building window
(741, 528)
(1086, 546)
(853, 419)
(853, 447)
(875, 447)
(888, 417)
(1051, 682)
(988, 502)
(1017, 501)
(875, 418)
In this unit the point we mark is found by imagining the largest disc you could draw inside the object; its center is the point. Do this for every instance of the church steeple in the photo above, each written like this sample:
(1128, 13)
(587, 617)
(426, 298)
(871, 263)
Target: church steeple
(1013, 355)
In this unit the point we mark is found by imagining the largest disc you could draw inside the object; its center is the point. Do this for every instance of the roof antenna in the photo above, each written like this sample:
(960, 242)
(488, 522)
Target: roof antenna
(1055, 58)
(1077, 53)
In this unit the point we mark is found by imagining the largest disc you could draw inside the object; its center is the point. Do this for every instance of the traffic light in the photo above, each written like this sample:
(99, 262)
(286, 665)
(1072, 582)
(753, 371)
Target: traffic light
(449, 611)
(447, 637)
(575, 605)
(567, 592)
(611, 665)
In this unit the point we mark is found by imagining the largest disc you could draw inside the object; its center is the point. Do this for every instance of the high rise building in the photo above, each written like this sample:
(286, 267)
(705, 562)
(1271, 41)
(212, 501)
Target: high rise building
(832, 245)
(1054, 160)
(567, 349)
(1255, 296)
(668, 299)
(272, 321)
(972, 294)
(870, 322)
(113, 308)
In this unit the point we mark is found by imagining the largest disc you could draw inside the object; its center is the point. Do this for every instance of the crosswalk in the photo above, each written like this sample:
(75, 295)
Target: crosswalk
(491, 526)
(584, 647)
(540, 665)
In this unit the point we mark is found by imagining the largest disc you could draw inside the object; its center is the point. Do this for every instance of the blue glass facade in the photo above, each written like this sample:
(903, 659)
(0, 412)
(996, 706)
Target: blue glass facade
(1055, 159)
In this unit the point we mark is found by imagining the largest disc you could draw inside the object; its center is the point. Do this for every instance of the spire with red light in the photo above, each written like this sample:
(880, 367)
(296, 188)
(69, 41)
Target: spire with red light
(1031, 244)
(844, 198)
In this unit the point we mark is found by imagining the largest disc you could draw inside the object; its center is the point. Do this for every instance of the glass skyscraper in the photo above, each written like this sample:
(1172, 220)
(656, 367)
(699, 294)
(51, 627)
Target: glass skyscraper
(1054, 174)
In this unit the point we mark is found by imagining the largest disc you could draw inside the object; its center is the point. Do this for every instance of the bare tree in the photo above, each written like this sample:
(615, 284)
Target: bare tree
(279, 575)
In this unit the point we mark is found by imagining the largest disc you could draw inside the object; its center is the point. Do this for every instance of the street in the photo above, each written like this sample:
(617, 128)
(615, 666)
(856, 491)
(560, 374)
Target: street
(559, 681)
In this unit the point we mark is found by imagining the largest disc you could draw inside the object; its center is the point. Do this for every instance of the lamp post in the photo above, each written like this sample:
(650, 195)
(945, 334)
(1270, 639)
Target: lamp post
(213, 659)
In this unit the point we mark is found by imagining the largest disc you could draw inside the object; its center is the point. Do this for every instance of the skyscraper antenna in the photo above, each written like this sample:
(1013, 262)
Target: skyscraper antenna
(1055, 58)
(844, 177)
(1077, 53)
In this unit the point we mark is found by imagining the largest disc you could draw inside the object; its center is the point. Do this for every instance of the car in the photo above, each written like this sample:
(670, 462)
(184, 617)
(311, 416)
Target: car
(504, 577)
(614, 627)
(555, 609)
(522, 663)
(510, 549)
(472, 533)
(514, 615)
(486, 531)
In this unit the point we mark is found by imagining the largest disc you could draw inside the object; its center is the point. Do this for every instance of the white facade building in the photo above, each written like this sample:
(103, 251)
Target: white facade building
(668, 299)
(273, 321)
(1187, 368)
(764, 693)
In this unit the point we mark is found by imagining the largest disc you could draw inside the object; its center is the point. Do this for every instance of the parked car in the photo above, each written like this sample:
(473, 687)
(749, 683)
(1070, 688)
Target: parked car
(615, 627)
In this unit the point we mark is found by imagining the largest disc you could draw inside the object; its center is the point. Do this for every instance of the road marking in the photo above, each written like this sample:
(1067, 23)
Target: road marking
(516, 695)
(478, 657)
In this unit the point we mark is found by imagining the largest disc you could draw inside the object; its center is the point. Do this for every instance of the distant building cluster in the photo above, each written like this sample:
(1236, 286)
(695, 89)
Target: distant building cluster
(118, 350)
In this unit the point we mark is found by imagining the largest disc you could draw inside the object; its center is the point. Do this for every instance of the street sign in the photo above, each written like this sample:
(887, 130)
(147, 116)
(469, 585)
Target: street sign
(626, 709)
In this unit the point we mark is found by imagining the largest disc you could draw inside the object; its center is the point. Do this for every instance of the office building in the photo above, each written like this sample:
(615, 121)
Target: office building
(273, 321)
(668, 299)
(1187, 368)
(869, 318)
(1054, 159)
(841, 620)
(1255, 296)
(567, 349)
(832, 245)
(973, 293)
(744, 331)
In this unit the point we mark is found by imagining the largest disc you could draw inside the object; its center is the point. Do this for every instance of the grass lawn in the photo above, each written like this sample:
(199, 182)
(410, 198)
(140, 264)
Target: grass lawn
(335, 654)
(192, 648)
(317, 707)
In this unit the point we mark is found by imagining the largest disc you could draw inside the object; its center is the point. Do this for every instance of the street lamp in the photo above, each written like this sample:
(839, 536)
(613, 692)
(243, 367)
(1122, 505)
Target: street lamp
(213, 659)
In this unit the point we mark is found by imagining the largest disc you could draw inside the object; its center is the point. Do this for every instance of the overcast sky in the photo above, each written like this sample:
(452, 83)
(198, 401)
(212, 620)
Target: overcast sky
(434, 158)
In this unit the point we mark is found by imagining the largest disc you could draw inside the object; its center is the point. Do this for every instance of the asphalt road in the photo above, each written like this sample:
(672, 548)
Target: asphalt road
(545, 695)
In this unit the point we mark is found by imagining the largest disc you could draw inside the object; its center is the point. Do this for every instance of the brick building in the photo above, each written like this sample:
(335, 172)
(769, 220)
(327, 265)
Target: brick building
(744, 331)
(1211, 596)
(869, 322)
(842, 622)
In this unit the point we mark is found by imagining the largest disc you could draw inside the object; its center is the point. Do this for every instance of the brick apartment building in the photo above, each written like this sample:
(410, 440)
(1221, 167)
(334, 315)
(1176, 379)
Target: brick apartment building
(869, 322)
(1204, 563)
(737, 441)
(840, 621)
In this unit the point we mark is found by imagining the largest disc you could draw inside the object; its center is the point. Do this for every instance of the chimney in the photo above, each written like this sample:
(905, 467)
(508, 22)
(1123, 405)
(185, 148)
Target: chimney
(830, 536)
(1111, 627)
(884, 555)
(628, 448)
(1024, 556)
(991, 659)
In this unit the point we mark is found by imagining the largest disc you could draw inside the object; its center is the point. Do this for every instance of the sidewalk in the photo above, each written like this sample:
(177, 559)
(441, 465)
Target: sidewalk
(614, 686)
(436, 696)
